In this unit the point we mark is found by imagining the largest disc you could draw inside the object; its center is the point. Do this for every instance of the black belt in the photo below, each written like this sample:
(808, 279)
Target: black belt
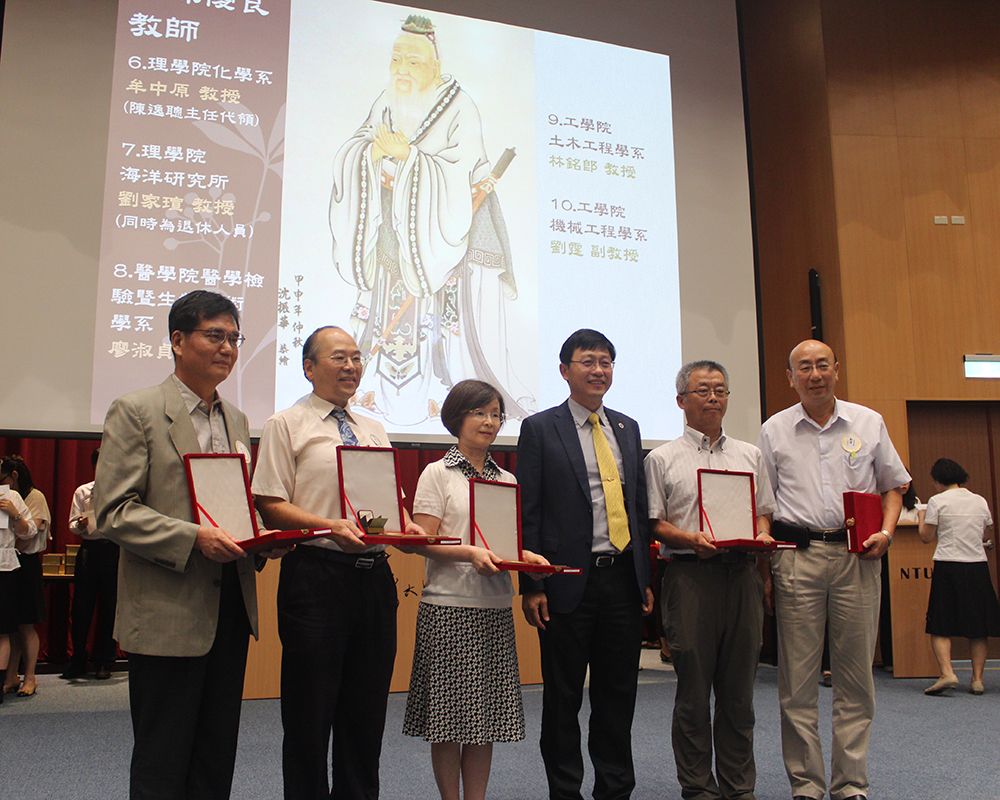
(602, 560)
(356, 560)
(725, 557)
(802, 536)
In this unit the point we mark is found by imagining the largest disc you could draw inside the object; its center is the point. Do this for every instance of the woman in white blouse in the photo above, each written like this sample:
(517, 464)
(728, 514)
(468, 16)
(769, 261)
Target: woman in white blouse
(465, 690)
(15, 524)
(30, 600)
(962, 601)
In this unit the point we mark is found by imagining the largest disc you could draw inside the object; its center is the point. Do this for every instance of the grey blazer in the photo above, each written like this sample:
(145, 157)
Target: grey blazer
(168, 592)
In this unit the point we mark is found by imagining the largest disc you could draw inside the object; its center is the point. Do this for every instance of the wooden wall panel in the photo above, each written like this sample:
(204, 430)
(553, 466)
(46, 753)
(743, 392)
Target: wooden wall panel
(943, 289)
(795, 226)
(983, 163)
(873, 266)
(977, 56)
(859, 68)
(263, 678)
(925, 77)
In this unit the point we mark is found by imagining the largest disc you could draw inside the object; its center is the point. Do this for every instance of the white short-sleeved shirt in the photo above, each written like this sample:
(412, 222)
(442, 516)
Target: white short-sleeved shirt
(8, 553)
(961, 517)
(811, 467)
(672, 477)
(83, 504)
(39, 508)
(297, 458)
(443, 492)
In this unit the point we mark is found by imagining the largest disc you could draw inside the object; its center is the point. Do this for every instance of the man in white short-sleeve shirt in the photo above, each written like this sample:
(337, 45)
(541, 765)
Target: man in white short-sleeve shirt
(713, 598)
(336, 597)
(815, 451)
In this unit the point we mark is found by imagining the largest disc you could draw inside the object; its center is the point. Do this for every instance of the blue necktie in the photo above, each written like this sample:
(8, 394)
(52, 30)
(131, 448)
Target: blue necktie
(346, 434)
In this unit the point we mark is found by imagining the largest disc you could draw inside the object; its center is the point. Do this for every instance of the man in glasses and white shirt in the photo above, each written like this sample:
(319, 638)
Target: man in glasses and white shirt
(713, 599)
(336, 596)
(187, 600)
(814, 452)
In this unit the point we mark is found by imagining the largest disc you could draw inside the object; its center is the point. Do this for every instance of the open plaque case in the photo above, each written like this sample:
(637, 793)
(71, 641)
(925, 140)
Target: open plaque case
(728, 510)
(371, 496)
(495, 523)
(220, 496)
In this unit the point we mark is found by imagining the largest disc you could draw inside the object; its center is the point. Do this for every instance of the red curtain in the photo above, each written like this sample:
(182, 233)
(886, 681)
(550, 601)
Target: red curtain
(59, 465)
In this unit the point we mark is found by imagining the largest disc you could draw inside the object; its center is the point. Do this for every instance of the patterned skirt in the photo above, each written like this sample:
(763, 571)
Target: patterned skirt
(465, 685)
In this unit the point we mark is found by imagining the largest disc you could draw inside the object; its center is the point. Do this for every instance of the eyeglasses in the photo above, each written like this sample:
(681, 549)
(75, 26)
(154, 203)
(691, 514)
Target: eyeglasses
(591, 363)
(703, 392)
(340, 360)
(481, 416)
(819, 366)
(218, 336)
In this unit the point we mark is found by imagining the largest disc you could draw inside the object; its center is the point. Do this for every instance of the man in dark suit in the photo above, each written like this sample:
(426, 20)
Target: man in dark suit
(583, 492)
(187, 600)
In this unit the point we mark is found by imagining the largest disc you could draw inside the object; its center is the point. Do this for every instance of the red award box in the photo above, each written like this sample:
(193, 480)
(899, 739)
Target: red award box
(862, 518)
(370, 495)
(219, 484)
(495, 508)
(728, 510)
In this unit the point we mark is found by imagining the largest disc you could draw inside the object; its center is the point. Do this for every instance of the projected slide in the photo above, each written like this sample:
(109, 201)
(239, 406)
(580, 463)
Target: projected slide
(460, 195)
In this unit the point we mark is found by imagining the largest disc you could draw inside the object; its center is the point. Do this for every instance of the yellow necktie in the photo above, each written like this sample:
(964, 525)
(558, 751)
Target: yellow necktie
(614, 501)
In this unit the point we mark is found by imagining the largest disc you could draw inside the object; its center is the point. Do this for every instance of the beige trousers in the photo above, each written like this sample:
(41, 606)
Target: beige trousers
(825, 582)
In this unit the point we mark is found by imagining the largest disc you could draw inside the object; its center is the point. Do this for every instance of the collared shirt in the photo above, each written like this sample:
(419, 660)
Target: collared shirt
(443, 492)
(8, 553)
(42, 517)
(810, 466)
(672, 477)
(297, 458)
(208, 420)
(83, 505)
(581, 416)
(961, 517)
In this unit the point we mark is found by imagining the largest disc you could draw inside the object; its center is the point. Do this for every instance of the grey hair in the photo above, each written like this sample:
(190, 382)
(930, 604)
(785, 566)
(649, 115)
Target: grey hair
(684, 376)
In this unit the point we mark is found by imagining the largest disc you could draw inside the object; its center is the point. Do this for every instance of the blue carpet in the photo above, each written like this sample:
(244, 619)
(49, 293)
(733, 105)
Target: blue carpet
(72, 741)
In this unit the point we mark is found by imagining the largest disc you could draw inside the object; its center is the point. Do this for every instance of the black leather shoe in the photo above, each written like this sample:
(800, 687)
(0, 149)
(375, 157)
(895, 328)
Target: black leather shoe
(103, 673)
(74, 671)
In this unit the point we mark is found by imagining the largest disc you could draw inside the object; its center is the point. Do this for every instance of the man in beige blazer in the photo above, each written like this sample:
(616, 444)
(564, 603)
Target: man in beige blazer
(186, 593)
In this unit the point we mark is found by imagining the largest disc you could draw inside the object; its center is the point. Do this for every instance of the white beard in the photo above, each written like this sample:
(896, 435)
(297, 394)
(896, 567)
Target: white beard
(409, 110)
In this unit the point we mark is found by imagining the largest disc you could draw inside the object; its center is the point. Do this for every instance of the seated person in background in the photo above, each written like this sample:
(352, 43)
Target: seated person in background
(962, 601)
(95, 584)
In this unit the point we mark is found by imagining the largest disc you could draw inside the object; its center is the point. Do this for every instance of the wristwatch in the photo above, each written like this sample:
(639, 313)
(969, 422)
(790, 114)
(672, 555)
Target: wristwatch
(887, 535)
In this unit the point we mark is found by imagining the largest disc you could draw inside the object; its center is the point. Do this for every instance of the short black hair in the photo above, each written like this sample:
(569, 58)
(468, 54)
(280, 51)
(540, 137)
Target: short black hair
(190, 310)
(25, 483)
(946, 472)
(585, 339)
(465, 396)
(910, 497)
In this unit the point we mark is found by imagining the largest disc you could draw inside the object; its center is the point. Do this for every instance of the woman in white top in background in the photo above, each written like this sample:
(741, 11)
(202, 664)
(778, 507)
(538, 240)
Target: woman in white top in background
(18, 525)
(962, 601)
(30, 601)
(465, 690)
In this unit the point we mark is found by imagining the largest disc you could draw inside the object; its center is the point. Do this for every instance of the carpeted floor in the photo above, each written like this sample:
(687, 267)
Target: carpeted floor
(73, 740)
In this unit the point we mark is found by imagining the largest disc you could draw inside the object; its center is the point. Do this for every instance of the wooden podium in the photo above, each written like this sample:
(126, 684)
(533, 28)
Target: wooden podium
(264, 660)
(911, 564)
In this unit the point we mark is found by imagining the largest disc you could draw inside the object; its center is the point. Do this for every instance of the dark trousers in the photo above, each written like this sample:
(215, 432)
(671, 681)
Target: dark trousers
(713, 614)
(95, 585)
(186, 711)
(337, 624)
(604, 632)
